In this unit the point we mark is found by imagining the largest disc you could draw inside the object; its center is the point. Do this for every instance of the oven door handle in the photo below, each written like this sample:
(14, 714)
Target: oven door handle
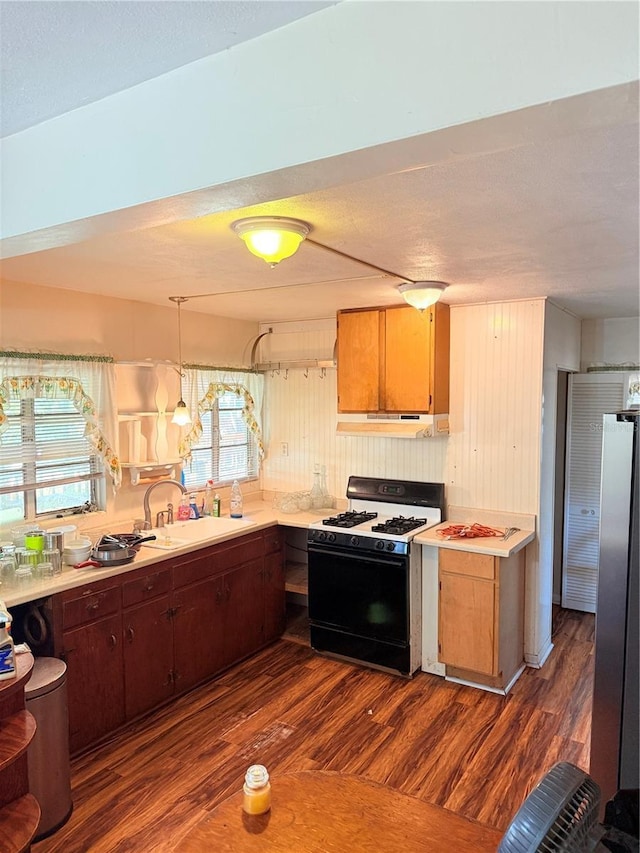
(397, 562)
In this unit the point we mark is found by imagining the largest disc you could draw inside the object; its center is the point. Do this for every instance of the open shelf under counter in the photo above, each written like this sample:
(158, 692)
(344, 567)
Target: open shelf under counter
(297, 578)
(297, 587)
(297, 630)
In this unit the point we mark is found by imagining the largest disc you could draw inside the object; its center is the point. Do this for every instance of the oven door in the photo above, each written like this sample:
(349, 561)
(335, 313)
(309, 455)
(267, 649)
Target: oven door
(360, 593)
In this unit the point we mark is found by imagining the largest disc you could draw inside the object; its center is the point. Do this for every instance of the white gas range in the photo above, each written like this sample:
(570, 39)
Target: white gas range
(364, 577)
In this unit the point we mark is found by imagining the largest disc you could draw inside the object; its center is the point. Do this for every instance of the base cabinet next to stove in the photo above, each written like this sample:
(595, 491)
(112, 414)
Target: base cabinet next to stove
(481, 617)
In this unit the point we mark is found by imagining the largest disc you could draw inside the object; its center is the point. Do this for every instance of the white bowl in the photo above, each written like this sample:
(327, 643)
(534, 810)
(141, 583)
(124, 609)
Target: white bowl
(76, 551)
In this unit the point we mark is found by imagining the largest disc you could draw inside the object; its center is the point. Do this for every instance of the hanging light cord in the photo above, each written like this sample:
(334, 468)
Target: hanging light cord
(179, 300)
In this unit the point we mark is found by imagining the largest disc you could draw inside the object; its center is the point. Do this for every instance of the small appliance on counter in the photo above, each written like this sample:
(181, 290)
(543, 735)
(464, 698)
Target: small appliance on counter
(364, 575)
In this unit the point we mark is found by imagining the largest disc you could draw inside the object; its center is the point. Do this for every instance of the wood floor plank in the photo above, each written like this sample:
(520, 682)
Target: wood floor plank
(474, 752)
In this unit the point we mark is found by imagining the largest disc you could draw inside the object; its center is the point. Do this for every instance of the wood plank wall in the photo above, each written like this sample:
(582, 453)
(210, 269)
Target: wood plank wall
(491, 460)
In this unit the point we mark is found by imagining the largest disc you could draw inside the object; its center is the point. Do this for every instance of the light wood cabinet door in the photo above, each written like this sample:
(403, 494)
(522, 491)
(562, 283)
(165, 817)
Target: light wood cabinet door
(394, 360)
(406, 366)
(359, 354)
(467, 623)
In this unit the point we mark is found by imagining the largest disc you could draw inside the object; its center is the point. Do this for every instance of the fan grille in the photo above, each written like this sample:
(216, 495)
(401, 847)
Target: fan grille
(560, 815)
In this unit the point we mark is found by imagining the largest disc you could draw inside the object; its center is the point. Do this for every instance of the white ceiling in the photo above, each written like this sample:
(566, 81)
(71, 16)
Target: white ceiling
(556, 216)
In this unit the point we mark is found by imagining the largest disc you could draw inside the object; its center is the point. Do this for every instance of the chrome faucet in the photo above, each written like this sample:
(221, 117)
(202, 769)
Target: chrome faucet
(147, 495)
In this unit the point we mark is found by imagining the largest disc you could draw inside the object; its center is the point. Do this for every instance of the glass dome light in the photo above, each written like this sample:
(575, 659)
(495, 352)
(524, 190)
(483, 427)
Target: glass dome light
(272, 238)
(422, 294)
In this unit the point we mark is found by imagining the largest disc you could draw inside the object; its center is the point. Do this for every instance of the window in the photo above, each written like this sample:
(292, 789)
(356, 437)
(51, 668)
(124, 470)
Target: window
(44, 443)
(227, 449)
(58, 434)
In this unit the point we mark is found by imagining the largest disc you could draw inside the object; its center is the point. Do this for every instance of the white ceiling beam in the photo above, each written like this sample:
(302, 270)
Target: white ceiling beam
(356, 75)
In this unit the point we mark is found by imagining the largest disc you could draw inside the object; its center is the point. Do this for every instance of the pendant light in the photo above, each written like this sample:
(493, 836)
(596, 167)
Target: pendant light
(272, 238)
(181, 414)
(422, 294)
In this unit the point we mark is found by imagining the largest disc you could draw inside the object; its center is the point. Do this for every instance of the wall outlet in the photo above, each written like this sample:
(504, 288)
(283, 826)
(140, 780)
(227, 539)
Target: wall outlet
(284, 448)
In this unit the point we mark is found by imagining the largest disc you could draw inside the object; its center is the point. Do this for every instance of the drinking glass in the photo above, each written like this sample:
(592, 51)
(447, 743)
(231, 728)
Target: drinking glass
(44, 571)
(7, 571)
(53, 556)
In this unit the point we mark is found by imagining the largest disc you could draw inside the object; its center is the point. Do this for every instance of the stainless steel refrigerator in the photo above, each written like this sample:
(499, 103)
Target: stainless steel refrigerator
(616, 720)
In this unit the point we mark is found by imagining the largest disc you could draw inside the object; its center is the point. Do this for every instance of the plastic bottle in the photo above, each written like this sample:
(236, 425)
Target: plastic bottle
(257, 790)
(183, 509)
(236, 502)
(7, 654)
(193, 506)
(216, 506)
(207, 508)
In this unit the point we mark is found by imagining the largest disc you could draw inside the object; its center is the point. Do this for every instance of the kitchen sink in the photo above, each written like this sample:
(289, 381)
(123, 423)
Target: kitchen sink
(195, 530)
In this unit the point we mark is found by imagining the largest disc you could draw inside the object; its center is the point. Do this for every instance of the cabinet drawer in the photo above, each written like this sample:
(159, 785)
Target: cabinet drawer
(466, 563)
(272, 540)
(146, 587)
(91, 605)
(241, 551)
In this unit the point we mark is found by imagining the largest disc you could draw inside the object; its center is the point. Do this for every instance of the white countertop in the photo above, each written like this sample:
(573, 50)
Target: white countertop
(493, 545)
(257, 516)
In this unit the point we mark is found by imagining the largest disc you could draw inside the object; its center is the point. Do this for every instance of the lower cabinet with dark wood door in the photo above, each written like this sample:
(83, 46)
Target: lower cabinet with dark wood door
(133, 641)
(92, 649)
(197, 630)
(217, 592)
(274, 584)
(147, 641)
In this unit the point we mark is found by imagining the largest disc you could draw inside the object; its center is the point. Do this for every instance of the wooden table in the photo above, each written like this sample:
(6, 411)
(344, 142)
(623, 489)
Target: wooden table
(322, 812)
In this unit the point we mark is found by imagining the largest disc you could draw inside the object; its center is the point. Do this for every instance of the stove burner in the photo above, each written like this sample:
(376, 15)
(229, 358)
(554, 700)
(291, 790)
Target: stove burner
(349, 519)
(398, 526)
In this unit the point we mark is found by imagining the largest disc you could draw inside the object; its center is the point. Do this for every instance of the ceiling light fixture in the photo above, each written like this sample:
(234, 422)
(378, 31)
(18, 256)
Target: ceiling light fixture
(422, 294)
(272, 238)
(181, 414)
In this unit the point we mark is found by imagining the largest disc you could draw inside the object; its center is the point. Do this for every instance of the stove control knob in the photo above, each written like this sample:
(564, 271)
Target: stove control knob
(354, 541)
(331, 537)
(391, 546)
(380, 545)
(321, 536)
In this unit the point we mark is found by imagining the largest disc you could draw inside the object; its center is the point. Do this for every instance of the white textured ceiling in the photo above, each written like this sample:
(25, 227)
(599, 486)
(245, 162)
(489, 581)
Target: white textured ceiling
(551, 215)
(58, 55)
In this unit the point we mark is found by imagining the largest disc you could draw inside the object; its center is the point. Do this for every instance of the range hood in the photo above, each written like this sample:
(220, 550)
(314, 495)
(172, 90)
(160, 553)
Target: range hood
(393, 426)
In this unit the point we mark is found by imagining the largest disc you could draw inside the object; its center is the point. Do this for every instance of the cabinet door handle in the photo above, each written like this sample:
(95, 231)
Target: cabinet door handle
(113, 641)
(228, 592)
(130, 634)
(148, 587)
(218, 596)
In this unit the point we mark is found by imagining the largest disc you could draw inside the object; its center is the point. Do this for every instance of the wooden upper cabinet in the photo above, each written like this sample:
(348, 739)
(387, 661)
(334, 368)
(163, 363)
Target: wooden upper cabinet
(394, 360)
(359, 353)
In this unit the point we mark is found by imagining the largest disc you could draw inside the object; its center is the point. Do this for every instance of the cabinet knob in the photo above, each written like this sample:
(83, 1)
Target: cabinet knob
(113, 640)
(130, 634)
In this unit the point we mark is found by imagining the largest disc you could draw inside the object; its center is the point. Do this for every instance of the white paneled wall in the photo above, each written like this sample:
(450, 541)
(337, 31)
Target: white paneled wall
(301, 411)
(490, 461)
(493, 457)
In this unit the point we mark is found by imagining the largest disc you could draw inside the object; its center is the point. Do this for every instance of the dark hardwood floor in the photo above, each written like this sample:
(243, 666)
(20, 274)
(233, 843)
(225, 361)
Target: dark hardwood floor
(474, 752)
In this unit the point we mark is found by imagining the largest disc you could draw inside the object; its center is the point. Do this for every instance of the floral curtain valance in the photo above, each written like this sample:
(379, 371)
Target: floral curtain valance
(89, 385)
(203, 389)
